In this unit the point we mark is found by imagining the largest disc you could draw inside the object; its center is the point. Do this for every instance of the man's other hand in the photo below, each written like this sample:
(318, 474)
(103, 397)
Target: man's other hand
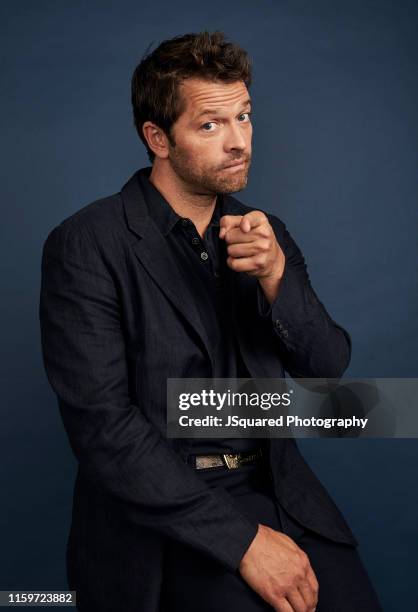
(280, 572)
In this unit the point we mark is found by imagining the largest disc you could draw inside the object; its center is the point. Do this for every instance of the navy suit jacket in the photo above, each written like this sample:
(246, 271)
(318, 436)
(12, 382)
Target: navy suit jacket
(117, 319)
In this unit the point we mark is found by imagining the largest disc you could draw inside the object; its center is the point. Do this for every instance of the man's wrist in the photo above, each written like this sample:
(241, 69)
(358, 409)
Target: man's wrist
(245, 556)
(270, 286)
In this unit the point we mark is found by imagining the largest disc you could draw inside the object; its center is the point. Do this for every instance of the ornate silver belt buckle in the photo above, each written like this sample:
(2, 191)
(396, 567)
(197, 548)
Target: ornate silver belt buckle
(231, 461)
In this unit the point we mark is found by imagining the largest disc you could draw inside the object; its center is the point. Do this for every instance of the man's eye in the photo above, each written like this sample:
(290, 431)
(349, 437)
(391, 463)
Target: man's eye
(207, 127)
(244, 117)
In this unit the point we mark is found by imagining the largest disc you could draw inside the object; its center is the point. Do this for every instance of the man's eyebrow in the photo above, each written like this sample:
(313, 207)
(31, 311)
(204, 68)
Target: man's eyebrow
(214, 111)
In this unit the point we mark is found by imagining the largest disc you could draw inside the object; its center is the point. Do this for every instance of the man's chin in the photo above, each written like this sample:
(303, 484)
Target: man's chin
(231, 184)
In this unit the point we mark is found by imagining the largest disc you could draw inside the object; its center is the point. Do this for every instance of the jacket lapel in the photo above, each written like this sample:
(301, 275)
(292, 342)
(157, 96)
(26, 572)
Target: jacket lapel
(153, 252)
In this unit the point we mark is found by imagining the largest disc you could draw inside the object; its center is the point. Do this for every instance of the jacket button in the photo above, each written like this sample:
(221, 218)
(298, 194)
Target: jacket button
(204, 255)
(278, 324)
(285, 333)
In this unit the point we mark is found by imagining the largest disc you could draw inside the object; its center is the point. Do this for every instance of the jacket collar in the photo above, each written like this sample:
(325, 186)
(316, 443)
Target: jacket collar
(136, 209)
(160, 210)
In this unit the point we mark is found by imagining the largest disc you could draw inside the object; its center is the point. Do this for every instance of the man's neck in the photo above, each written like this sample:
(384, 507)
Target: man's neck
(182, 198)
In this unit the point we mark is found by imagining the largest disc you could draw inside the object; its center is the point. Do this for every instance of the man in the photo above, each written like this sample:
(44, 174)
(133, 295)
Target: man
(173, 277)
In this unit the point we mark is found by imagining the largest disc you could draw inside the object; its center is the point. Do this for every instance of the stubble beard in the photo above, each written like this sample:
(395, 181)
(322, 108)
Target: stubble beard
(209, 180)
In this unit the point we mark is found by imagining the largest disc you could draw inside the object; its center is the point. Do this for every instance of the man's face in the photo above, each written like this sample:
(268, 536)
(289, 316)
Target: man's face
(212, 136)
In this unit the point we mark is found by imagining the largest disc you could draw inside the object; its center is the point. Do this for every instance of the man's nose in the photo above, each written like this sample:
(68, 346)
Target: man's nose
(235, 139)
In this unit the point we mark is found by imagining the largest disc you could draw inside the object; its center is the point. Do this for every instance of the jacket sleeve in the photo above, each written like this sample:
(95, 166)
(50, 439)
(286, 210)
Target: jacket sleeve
(119, 450)
(310, 343)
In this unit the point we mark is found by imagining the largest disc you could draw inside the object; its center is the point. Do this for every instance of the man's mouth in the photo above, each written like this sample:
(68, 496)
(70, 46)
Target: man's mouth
(237, 164)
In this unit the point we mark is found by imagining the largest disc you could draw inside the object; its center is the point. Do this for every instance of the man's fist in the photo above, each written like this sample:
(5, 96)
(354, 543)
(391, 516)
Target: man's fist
(279, 571)
(253, 248)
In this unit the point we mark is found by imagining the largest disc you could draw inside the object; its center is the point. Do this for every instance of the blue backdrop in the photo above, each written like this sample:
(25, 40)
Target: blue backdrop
(335, 144)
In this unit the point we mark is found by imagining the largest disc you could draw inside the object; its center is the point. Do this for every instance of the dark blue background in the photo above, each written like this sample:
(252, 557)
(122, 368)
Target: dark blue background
(335, 148)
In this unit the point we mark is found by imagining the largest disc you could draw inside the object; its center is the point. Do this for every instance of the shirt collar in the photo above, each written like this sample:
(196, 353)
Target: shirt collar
(162, 212)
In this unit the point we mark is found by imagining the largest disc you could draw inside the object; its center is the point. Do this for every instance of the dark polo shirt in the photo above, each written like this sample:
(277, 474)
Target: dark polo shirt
(202, 261)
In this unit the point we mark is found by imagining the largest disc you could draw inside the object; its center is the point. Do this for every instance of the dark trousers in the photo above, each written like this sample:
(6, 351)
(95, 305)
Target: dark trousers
(193, 581)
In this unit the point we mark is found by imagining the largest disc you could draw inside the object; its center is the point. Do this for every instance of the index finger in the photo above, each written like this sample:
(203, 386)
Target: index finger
(245, 222)
(227, 222)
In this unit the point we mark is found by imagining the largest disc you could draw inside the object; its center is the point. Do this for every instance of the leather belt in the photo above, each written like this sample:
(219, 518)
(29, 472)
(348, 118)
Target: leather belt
(228, 460)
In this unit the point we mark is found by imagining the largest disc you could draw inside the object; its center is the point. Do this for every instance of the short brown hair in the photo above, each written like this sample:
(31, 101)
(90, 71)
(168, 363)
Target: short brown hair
(156, 79)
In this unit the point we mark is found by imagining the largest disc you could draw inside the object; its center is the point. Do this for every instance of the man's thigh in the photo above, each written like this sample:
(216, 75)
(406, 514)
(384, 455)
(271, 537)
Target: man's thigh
(193, 581)
(344, 585)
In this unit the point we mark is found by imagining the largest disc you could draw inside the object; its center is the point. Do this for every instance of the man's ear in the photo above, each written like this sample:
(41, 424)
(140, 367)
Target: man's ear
(156, 138)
